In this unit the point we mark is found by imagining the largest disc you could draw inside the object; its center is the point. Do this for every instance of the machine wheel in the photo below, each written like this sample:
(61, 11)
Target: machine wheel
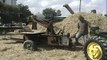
(96, 49)
(29, 44)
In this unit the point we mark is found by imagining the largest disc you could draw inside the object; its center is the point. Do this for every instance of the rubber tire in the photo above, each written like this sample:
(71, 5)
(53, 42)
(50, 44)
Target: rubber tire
(101, 42)
(32, 48)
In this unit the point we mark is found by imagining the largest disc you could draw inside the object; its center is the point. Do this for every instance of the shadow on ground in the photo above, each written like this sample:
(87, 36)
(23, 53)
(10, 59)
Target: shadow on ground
(41, 46)
(15, 41)
(48, 48)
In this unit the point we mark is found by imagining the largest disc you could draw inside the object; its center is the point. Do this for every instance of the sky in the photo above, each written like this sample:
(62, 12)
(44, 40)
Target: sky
(36, 6)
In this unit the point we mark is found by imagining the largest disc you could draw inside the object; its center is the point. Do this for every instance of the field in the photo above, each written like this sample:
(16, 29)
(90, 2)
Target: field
(12, 49)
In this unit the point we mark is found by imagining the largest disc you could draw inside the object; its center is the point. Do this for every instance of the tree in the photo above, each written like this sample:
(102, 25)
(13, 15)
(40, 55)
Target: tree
(10, 13)
(59, 13)
(50, 13)
(24, 12)
(7, 13)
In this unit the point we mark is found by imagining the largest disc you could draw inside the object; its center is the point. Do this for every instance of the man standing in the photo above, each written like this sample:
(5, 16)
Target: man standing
(82, 29)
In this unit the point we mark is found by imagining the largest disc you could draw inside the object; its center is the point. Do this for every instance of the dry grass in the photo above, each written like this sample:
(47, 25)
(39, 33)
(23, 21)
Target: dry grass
(12, 50)
(70, 23)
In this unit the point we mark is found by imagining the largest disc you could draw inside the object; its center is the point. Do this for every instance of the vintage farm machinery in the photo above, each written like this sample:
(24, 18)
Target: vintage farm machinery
(50, 37)
(96, 46)
(35, 38)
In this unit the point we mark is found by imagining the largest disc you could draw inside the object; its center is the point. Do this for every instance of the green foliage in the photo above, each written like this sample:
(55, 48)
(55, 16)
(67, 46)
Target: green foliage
(1, 4)
(58, 13)
(50, 13)
(7, 13)
(24, 12)
(10, 13)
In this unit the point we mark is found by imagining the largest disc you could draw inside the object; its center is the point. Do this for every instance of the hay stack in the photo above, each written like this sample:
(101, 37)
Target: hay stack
(40, 28)
(70, 23)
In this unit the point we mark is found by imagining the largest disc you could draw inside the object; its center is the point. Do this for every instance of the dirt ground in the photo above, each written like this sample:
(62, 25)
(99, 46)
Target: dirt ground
(12, 49)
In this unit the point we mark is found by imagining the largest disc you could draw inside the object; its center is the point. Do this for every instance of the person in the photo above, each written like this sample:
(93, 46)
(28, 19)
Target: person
(34, 23)
(82, 29)
(50, 29)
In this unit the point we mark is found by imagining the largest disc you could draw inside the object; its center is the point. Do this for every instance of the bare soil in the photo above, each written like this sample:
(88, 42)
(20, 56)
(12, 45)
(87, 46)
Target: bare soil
(12, 49)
